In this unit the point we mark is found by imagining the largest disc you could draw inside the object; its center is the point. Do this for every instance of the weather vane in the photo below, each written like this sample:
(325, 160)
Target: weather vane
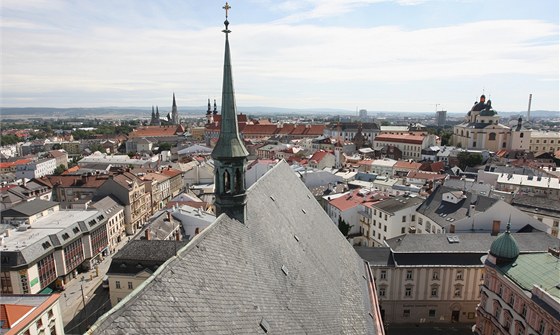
(226, 22)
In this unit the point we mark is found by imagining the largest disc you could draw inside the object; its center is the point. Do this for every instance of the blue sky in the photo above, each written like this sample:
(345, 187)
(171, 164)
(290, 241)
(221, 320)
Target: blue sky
(381, 55)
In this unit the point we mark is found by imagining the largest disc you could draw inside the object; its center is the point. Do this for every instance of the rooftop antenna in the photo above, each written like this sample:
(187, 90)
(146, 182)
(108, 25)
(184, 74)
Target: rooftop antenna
(529, 108)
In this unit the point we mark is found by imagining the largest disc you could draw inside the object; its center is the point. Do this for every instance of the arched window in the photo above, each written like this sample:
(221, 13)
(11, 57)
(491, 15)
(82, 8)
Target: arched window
(492, 136)
(227, 183)
(238, 181)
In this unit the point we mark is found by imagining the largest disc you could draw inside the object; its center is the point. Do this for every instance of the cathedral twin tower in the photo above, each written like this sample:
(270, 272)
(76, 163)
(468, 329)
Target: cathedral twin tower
(171, 118)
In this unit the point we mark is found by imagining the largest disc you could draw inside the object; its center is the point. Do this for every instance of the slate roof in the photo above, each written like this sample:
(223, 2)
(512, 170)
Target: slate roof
(468, 243)
(396, 204)
(442, 212)
(28, 209)
(291, 270)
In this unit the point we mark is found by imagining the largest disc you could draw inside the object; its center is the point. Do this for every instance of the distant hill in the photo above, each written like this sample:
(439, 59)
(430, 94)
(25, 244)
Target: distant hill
(145, 112)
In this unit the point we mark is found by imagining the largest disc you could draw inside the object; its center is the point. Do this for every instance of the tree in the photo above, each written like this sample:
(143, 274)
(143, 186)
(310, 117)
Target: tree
(343, 226)
(59, 169)
(469, 159)
(164, 147)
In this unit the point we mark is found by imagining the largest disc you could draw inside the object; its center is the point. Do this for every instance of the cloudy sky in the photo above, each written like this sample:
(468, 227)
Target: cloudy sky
(380, 55)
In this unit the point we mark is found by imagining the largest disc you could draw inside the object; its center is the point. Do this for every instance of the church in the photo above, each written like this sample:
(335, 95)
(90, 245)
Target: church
(482, 130)
(271, 262)
(171, 118)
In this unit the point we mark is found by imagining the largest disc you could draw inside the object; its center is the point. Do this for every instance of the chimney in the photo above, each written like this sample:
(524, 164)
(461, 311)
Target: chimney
(169, 216)
(496, 227)
(452, 228)
(147, 234)
(177, 235)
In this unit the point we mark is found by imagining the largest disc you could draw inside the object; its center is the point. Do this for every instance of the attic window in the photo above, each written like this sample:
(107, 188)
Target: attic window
(65, 236)
(285, 269)
(303, 210)
(92, 222)
(296, 237)
(264, 325)
(76, 230)
(100, 217)
(46, 245)
(271, 197)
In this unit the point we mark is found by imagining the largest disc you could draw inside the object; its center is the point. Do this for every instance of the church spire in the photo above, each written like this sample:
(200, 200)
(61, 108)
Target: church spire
(230, 155)
(209, 111)
(215, 107)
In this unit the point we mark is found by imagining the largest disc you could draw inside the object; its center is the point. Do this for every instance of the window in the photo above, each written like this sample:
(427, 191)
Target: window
(434, 291)
(492, 136)
(435, 275)
(403, 230)
(524, 310)
(500, 290)
(404, 218)
(385, 217)
(413, 218)
(409, 274)
(117, 284)
(130, 285)
(408, 292)
(521, 135)
(432, 313)
(458, 291)
(406, 313)
(459, 275)
(384, 228)
(541, 327)
(383, 274)
(420, 221)
(512, 300)
(382, 291)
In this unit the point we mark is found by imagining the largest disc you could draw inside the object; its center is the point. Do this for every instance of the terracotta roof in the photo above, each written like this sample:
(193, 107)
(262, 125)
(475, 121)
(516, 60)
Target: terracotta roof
(286, 129)
(425, 175)
(411, 139)
(171, 172)
(154, 131)
(93, 181)
(354, 199)
(10, 314)
(315, 129)
(71, 170)
(407, 165)
(365, 162)
(264, 129)
(18, 162)
(318, 156)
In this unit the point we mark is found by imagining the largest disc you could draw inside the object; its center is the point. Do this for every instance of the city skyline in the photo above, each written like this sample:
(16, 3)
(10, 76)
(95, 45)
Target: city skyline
(405, 56)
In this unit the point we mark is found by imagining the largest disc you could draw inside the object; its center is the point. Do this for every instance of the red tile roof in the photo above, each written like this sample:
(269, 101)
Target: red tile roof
(319, 155)
(425, 175)
(10, 314)
(154, 131)
(407, 165)
(354, 198)
(407, 138)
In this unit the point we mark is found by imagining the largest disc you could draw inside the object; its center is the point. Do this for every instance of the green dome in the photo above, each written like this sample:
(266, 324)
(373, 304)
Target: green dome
(505, 247)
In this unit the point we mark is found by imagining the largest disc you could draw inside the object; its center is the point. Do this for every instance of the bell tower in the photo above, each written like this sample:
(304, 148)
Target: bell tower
(229, 154)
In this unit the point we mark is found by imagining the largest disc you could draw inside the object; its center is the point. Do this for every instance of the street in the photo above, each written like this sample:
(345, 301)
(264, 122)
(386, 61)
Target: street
(429, 329)
(76, 320)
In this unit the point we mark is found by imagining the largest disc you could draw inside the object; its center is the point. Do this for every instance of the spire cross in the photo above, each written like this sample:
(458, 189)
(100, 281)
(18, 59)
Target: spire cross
(226, 7)
(226, 22)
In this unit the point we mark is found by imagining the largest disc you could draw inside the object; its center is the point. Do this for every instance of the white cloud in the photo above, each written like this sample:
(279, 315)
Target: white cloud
(315, 66)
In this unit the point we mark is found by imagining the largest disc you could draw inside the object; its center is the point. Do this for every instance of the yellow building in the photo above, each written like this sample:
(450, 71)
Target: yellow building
(481, 129)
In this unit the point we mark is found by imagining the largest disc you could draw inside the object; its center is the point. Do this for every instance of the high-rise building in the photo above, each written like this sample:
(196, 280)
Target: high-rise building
(441, 117)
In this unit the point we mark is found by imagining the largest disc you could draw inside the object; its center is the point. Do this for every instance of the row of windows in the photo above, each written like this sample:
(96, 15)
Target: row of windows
(118, 285)
(434, 292)
(410, 275)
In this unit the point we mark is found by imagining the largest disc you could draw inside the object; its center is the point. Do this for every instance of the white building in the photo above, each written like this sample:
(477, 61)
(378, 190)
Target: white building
(544, 141)
(383, 167)
(387, 218)
(36, 169)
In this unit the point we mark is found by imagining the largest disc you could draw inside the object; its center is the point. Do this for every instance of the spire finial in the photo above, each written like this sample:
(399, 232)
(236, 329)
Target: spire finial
(508, 226)
(226, 22)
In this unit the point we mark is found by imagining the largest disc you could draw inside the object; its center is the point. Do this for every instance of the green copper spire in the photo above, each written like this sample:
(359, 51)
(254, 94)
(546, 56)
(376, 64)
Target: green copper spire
(505, 248)
(230, 155)
(229, 144)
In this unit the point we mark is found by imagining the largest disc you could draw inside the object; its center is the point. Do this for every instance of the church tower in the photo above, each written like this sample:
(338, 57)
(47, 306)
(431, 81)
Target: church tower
(209, 118)
(230, 155)
(174, 112)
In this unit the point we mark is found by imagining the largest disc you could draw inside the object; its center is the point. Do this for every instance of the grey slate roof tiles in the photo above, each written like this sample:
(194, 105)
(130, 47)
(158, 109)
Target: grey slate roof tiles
(229, 278)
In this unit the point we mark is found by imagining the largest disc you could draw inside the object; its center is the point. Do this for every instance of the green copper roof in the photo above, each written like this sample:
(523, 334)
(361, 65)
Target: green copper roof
(505, 247)
(540, 269)
(229, 144)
